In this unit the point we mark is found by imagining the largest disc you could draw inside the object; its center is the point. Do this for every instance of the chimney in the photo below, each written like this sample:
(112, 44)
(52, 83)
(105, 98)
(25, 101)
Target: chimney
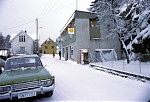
(25, 31)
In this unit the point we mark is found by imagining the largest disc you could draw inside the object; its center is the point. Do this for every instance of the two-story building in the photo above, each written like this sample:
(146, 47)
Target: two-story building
(49, 46)
(83, 41)
(21, 43)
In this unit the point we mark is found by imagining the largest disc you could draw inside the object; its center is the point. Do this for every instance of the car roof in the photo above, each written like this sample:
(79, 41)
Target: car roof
(2, 60)
(23, 56)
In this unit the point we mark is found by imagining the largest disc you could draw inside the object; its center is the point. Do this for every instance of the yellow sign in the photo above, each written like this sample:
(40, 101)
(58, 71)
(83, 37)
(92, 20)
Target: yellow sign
(70, 30)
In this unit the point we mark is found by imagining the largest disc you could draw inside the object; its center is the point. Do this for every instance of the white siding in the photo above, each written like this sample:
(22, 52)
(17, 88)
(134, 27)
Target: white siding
(28, 44)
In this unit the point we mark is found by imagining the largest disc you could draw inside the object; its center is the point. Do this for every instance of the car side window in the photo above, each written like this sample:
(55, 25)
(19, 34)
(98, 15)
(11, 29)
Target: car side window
(38, 62)
(7, 65)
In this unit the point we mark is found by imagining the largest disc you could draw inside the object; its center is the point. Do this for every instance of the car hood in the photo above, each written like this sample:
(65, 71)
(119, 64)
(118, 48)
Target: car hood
(26, 75)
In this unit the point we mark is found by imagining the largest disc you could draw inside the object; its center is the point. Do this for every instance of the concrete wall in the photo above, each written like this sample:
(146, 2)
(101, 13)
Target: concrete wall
(82, 36)
(111, 43)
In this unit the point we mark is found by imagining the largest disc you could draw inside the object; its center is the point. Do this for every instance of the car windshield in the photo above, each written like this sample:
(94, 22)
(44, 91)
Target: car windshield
(1, 60)
(22, 62)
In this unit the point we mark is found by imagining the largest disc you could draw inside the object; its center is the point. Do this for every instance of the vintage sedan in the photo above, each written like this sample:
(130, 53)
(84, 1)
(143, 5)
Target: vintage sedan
(25, 76)
(2, 62)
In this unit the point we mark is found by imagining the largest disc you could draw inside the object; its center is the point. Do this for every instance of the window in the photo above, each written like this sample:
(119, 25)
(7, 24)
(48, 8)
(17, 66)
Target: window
(94, 30)
(49, 42)
(45, 47)
(52, 47)
(70, 36)
(71, 52)
(22, 39)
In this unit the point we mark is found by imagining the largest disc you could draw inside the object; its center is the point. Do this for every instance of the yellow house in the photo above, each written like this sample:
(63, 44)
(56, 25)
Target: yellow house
(49, 46)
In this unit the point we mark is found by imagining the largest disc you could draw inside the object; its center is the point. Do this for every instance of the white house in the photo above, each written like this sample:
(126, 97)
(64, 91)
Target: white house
(21, 43)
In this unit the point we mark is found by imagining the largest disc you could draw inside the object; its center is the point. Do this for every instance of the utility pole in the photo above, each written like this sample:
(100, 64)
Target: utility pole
(37, 47)
(76, 4)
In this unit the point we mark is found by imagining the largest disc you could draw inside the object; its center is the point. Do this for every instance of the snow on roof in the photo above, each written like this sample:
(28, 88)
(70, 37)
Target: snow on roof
(12, 36)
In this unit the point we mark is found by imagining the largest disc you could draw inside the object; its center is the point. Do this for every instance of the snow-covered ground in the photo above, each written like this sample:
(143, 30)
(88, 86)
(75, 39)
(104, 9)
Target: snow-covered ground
(75, 82)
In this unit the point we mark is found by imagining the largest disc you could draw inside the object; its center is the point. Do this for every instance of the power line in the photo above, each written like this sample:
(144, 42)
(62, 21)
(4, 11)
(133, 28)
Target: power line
(49, 9)
(17, 26)
(46, 7)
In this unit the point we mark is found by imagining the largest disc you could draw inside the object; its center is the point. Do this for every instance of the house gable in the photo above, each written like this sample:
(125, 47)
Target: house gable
(21, 43)
(49, 46)
(21, 33)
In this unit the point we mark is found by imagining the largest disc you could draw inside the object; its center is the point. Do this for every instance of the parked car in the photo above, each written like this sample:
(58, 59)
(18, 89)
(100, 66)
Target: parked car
(2, 62)
(25, 76)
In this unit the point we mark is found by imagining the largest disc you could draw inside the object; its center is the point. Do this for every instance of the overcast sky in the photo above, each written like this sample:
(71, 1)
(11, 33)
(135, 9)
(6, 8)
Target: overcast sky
(17, 15)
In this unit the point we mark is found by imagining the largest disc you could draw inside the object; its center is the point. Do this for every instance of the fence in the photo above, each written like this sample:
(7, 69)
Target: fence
(141, 66)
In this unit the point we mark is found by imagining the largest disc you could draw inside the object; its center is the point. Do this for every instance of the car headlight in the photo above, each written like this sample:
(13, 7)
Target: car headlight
(4, 89)
(49, 82)
(46, 82)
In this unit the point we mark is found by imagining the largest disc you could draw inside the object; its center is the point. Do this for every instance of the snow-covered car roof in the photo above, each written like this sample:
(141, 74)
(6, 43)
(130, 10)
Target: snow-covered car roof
(22, 56)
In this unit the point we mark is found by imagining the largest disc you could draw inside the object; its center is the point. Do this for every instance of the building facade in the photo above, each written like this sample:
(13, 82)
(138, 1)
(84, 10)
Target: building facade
(21, 43)
(86, 38)
(49, 46)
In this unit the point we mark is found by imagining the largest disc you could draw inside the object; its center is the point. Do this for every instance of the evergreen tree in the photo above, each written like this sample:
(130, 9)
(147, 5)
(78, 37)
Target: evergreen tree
(1, 42)
(129, 19)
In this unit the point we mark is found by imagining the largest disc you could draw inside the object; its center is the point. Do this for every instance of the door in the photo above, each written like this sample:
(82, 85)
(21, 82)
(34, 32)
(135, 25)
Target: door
(84, 56)
(66, 55)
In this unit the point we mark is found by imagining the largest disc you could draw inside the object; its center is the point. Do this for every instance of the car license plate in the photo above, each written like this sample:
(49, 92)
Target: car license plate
(27, 94)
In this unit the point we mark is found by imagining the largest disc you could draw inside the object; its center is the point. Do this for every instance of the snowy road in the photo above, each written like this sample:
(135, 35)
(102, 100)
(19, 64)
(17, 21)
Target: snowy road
(75, 82)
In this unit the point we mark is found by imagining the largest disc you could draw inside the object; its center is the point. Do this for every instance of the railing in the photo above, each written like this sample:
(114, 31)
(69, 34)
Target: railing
(141, 66)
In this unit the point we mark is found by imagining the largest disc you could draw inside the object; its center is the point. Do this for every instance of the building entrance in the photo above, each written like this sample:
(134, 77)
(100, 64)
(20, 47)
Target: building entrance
(84, 56)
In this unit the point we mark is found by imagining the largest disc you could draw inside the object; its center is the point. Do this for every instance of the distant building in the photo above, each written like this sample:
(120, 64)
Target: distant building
(4, 45)
(21, 43)
(58, 42)
(82, 40)
(49, 46)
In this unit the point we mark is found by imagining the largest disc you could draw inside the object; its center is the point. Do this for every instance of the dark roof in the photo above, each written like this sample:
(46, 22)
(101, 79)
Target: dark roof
(83, 14)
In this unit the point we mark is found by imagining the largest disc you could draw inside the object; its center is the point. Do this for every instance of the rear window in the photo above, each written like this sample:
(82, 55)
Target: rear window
(22, 62)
